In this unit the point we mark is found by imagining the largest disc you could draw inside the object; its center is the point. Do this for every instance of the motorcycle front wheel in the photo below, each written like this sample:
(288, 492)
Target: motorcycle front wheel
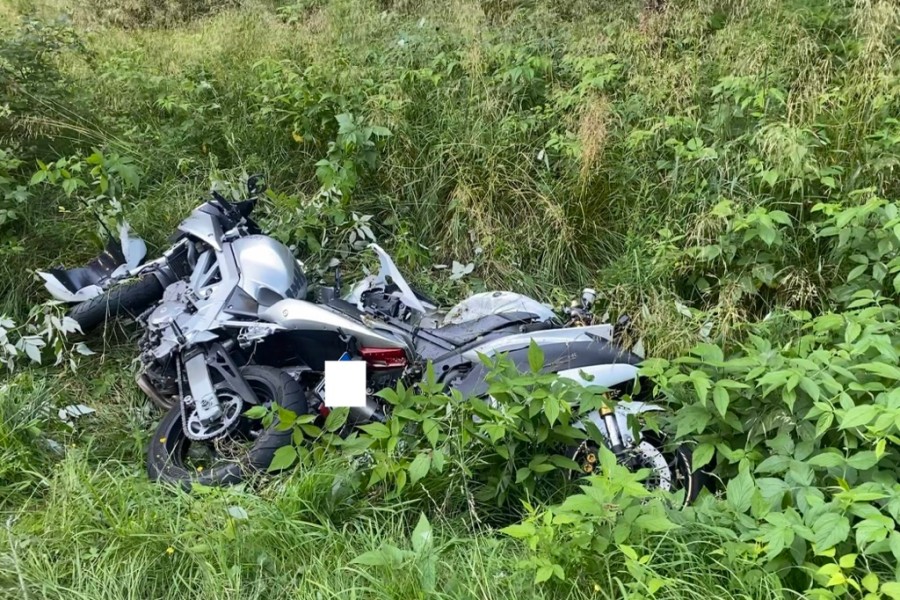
(670, 469)
(246, 448)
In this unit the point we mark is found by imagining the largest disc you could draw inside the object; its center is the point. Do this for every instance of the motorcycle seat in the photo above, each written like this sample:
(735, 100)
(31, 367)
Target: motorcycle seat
(460, 334)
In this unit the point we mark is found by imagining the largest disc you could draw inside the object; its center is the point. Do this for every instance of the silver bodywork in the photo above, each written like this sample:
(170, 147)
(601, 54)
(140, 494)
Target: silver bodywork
(489, 303)
(247, 287)
(267, 268)
(300, 315)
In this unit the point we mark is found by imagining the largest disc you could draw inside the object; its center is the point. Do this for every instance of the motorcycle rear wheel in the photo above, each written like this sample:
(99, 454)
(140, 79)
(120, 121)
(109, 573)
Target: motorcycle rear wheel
(124, 299)
(171, 458)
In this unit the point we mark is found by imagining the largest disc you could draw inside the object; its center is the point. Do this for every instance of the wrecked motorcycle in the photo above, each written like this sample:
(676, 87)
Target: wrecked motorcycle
(227, 326)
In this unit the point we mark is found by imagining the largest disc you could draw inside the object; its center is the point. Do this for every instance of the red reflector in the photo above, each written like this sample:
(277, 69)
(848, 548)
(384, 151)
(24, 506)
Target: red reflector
(384, 358)
(324, 410)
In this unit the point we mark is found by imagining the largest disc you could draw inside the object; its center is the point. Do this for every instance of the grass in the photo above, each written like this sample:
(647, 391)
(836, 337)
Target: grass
(102, 531)
(555, 144)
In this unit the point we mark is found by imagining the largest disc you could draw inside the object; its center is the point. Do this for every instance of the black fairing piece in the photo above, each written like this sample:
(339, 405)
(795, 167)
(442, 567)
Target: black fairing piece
(96, 271)
(557, 357)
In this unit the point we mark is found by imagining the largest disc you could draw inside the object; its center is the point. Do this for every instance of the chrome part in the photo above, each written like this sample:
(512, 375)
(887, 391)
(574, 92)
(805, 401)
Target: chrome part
(204, 273)
(252, 332)
(207, 408)
(612, 430)
(268, 270)
(622, 412)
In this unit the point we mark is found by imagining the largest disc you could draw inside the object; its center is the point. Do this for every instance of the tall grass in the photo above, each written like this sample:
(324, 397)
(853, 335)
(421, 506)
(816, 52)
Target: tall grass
(102, 531)
(555, 144)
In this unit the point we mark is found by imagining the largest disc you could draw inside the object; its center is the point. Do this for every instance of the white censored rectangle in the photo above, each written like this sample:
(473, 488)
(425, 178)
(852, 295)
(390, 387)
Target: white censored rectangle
(345, 383)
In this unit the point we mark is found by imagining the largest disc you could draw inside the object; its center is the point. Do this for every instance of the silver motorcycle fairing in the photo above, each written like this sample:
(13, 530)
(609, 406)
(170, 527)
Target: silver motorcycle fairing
(203, 226)
(380, 280)
(550, 336)
(268, 270)
(491, 303)
(295, 314)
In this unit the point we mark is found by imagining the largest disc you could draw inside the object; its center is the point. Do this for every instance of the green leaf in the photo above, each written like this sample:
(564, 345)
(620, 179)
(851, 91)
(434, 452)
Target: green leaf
(535, 357)
(377, 430)
(701, 384)
(654, 523)
(336, 418)
(422, 534)
(519, 531)
(895, 544)
(881, 369)
(372, 558)
(523, 474)
(255, 412)
(863, 460)
(419, 467)
(284, 457)
(564, 462)
(827, 460)
(859, 416)
(891, 589)
(237, 513)
(437, 460)
(387, 555)
(543, 574)
(431, 431)
(739, 491)
(551, 409)
(870, 582)
(583, 504)
(774, 464)
(720, 399)
(829, 530)
(702, 455)
(286, 418)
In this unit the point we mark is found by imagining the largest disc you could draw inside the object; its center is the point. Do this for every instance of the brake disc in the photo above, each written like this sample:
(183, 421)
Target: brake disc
(643, 456)
(648, 456)
(232, 406)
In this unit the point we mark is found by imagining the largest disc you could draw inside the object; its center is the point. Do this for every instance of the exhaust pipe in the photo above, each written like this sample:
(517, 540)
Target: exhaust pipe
(156, 398)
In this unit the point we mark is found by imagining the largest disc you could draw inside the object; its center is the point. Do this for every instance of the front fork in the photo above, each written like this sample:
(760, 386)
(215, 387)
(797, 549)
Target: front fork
(614, 438)
(612, 430)
(197, 367)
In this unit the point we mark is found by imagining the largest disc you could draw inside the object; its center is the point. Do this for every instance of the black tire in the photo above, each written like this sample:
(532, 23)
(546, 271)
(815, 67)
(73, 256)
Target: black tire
(167, 451)
(686, 478)
(124, 299)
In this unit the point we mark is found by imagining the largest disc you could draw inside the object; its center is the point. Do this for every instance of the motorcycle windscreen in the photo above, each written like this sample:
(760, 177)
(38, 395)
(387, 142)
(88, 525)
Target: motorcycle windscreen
(82, 283)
